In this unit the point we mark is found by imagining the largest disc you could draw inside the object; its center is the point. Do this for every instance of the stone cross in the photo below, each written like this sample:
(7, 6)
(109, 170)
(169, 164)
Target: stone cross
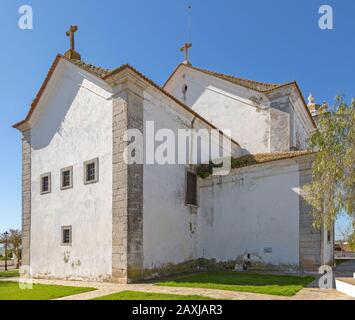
(185, 49)
(71, 53)
(70, 34)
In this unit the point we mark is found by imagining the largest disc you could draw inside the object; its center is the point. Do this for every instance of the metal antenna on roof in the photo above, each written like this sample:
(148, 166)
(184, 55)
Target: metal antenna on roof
(189, 8)
(185, 48)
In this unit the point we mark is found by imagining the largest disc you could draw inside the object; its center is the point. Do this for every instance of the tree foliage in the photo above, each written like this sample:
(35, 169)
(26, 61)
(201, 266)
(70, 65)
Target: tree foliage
(14, 240)
(333, 176)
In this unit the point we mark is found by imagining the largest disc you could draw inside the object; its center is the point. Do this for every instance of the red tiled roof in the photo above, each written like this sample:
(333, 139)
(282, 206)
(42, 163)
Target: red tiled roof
(205, 170)
(250, 84)
(105, 74)
(262, 87)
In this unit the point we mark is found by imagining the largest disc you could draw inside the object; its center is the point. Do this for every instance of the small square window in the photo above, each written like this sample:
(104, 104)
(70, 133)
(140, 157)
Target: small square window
(45, 182)
(66, 178)
(91, 171)
(191, 189)
(66, 235)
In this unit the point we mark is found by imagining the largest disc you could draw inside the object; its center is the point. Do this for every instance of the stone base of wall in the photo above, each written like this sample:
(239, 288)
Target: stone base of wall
(72, 278)
(202, 265)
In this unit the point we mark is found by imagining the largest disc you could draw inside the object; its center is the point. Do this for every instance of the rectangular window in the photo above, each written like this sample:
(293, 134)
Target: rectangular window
(45, 182)
(328, 236)
(191, 188)
(66, 178)
(91, 171)
(66, 235)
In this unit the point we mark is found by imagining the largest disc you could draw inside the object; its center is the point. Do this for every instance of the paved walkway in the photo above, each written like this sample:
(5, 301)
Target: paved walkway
(109, 288)
(346, 269)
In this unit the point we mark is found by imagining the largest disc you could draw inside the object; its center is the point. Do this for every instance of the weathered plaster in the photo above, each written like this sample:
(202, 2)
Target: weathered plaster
(227, 106)
(74, 125)
(240, 212)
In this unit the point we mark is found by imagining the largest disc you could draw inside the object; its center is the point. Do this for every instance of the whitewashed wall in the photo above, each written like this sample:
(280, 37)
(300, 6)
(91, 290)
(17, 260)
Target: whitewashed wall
(302, 129)
(72, 124)
(227, 106)
(246, 112)
(254, 208)
(166, 222)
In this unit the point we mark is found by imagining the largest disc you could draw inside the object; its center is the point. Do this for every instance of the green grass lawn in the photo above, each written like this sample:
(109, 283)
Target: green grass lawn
(136, 295)
(247, 282)
(10, 291)
(9, 274)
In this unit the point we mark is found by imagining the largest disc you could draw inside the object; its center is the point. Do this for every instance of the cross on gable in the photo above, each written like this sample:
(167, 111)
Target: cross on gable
(70, 33)
(71, 53)
(185, 48)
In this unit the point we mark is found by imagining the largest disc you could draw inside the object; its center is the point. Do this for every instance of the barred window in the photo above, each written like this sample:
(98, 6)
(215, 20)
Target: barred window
(45, 182)
(91, 171)
(66, 178)
(66, 235)
(191, 188)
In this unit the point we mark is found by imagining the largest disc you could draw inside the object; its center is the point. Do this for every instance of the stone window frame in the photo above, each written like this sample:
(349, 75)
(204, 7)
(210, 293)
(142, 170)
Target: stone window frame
(70, 169)
(190, 170)
(44, 175)
(86, 163)
(63, 228)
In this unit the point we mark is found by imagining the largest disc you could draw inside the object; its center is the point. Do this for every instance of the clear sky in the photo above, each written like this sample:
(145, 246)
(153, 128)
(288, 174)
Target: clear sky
(272, 41)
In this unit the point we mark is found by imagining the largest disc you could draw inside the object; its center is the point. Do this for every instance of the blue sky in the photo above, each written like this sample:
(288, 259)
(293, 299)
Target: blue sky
(272, 41)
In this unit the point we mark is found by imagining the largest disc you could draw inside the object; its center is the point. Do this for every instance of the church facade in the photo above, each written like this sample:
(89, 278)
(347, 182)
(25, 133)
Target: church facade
(88, 214)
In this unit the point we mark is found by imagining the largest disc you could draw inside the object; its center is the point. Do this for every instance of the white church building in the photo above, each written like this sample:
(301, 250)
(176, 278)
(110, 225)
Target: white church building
(88, 214)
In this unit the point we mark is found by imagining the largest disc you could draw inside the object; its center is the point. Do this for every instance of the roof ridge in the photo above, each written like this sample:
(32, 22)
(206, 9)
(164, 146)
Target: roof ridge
(229, 77)
(104, 77)
(232, 76)
(96, 70)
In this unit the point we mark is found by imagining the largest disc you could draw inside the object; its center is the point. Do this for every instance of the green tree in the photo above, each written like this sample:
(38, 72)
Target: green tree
(15, 241)
(333, 176)
(348, 235)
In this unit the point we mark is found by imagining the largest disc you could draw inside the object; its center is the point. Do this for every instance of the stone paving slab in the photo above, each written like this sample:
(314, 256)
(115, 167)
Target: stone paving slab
(347, 280)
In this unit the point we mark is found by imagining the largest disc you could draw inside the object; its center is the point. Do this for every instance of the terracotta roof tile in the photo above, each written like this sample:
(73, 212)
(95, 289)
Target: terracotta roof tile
(97, 71)
(104, 74)
(250, 84)
(205, 170)
(251, 159)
